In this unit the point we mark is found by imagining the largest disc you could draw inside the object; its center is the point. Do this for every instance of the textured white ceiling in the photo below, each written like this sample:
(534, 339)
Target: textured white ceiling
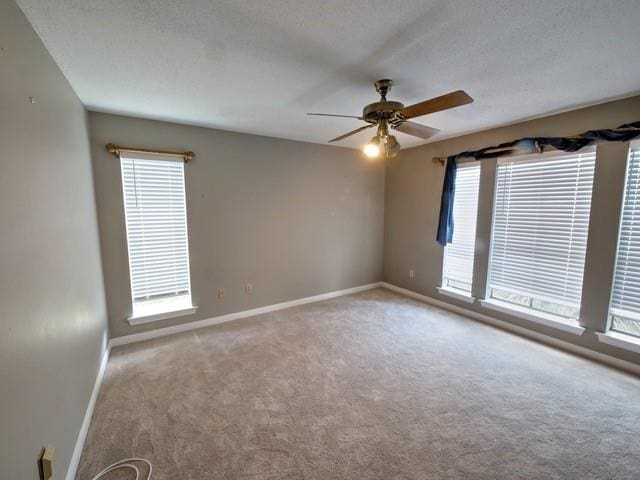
(258, 65)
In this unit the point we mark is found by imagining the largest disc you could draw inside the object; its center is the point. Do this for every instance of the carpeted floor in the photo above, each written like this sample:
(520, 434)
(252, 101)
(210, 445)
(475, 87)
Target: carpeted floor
(369, 386)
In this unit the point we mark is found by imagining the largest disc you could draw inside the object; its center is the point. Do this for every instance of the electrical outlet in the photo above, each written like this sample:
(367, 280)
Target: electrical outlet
(411, 274)
(221, 293)
(248, 289)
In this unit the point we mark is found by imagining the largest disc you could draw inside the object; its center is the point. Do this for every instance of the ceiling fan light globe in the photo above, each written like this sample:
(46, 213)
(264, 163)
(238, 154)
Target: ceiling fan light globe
(371, 150)
(393, 147)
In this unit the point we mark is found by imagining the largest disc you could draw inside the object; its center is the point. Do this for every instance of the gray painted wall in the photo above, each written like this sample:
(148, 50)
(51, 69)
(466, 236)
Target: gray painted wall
(52, 311)
(294, 219)
(412, 203)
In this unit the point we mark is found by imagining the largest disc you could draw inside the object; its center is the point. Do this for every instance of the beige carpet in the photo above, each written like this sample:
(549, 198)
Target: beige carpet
(369, 386)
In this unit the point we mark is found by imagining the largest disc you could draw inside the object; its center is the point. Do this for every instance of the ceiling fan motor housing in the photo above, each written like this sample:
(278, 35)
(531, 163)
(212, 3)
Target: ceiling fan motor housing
(376, 111)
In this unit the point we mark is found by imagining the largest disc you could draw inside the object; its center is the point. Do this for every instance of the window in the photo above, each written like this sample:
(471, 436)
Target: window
(155, 212)
(625, 297)
(457, 271)
(540, 226)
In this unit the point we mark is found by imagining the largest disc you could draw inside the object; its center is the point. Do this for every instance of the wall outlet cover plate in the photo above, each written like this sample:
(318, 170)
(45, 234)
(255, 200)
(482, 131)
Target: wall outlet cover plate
(47, 460)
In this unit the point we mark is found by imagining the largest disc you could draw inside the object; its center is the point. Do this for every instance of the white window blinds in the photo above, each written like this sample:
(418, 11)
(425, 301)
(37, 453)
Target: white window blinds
(625, 298)
(540, 226)
(155, 211)
(458, 255)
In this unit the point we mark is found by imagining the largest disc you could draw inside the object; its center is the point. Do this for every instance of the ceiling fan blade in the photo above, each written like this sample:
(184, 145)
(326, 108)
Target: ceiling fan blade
(332, 115)
(352, 132)
(437, 104)
(417, 130)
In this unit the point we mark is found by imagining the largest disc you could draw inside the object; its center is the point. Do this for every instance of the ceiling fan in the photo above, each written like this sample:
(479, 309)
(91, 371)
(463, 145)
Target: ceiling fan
(387, 114)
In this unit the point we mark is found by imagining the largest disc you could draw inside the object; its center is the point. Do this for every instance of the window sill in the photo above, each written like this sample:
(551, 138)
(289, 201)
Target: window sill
(620, 340)
(161, 316)
(542, 318)
(457, 294)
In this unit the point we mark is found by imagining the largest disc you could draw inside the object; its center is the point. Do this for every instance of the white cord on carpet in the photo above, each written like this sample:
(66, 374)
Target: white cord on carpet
(125, 464)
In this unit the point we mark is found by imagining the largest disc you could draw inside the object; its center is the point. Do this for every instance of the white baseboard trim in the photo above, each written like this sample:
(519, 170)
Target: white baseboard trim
(84, 429)
(525, 332)
(184, 327)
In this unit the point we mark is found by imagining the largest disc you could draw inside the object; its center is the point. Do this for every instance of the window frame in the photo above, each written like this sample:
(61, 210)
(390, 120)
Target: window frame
(618, 336)
(561, 322)
(445, 288)
(160, 308)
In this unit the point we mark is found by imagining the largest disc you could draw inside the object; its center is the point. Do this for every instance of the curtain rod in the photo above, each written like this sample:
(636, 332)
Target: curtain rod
(539, 148)
(118, 149)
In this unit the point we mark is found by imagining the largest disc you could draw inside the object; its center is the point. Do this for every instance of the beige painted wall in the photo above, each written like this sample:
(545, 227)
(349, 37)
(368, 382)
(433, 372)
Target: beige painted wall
(52, 311)
(412, 203)
(294, 219)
